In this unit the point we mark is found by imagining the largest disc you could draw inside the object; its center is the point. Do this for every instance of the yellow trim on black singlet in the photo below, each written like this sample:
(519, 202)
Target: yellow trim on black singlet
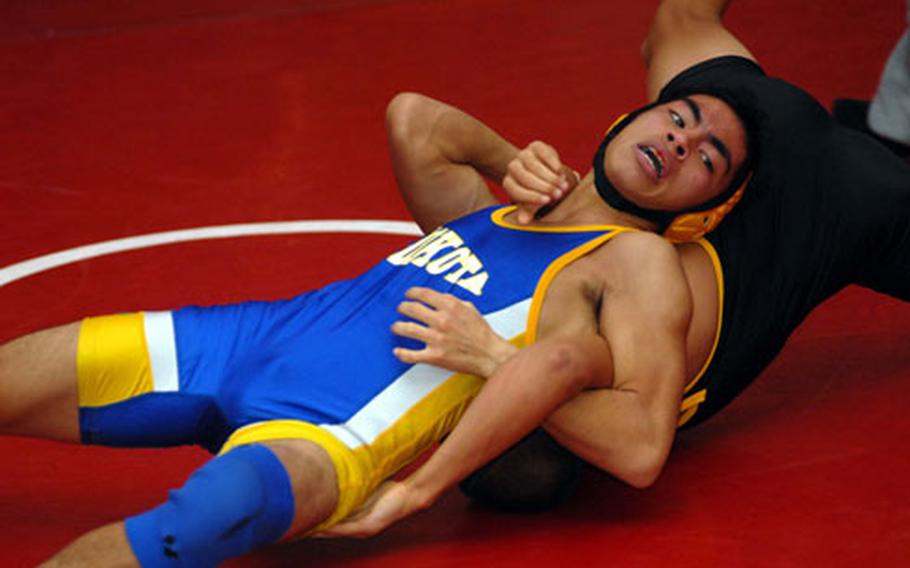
(690, 402)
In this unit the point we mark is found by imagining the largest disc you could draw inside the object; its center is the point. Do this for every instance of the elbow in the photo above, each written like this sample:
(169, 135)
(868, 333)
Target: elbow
(639, 466)
(400, 114)
(645, 472)
(407, 118)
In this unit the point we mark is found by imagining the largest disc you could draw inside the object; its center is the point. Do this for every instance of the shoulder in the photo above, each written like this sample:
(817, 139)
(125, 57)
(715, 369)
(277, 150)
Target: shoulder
(638, 282)
(645, 269)
(639, 252)
(637, 264)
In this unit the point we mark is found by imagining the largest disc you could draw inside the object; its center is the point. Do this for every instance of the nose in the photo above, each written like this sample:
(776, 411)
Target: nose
(679, 144)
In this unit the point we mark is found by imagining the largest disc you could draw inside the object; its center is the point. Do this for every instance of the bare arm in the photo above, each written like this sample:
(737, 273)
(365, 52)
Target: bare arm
(684, 33)
(515, 399)
(440, 155)
(628, 429)
(646, 312)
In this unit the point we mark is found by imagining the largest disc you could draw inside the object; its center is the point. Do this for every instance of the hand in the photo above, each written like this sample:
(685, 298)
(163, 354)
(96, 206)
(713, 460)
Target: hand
(536, 177)
(391, 502)
(456, 336)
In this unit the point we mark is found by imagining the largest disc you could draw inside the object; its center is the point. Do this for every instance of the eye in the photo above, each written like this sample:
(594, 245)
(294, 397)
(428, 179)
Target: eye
(706, 160)
(677, 119)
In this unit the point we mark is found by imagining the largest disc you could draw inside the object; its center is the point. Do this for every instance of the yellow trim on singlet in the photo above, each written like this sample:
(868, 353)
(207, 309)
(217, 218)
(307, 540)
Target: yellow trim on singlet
(690, 403)
(555, 267)
(361, 470)
(498, 218)
(112, 361)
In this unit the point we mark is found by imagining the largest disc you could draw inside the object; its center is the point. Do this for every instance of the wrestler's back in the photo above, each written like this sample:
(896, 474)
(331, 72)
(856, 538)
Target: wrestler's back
(826, 207)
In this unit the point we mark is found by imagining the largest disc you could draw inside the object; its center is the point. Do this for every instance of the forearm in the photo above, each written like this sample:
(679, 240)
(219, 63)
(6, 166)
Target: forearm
(615, 431)
(708, 9)
(674, 15)
(682, 34)
(516, 399)
(439, 155)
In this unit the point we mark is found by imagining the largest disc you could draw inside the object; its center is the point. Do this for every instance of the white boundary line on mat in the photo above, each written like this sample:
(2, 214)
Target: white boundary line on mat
(32, 266)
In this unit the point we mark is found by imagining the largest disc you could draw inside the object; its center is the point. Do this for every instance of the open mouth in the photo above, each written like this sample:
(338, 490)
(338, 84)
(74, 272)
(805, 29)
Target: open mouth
(654, 158)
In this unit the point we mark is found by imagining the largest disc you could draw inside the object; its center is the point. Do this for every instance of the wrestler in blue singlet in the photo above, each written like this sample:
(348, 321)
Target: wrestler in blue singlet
(323, 361)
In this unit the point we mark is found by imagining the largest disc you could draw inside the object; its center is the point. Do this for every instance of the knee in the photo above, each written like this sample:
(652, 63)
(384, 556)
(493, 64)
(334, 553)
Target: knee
(12, 408)
(5, 368)
(231, 505)
(535, 474)
(38, 391)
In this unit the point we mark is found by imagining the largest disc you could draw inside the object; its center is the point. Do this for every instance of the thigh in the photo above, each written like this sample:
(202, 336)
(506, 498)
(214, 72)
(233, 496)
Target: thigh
(130, 387)
(38, 385)
(329, 481)
(314, 482)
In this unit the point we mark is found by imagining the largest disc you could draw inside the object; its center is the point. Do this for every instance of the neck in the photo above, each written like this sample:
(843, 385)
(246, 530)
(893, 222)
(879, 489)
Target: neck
(583, 206)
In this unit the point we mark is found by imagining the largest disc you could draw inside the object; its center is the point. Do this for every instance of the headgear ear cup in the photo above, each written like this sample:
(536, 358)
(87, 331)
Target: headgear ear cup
(693, 226)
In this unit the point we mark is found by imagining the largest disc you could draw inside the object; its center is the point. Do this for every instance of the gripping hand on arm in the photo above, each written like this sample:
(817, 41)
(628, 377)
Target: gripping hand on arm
(455, 335)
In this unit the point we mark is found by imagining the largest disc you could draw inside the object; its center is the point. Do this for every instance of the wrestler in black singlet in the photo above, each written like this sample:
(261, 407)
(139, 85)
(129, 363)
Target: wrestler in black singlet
(826, 207)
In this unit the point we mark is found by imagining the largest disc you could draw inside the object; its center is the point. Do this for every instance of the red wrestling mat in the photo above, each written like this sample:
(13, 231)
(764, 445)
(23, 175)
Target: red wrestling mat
(122, 119)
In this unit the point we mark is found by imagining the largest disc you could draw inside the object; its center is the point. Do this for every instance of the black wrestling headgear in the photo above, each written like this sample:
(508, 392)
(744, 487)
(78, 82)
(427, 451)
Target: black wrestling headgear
(687, 224)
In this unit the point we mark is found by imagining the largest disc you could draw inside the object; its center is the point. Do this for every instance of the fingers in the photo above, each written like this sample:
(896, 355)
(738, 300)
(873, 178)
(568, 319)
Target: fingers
(525, 214)
(412, 356)
(347, 529)
(572, 178)
(430, 297)
(413, 330)
(418, 311)
(434, 313)
(530, 178)
(537, 177)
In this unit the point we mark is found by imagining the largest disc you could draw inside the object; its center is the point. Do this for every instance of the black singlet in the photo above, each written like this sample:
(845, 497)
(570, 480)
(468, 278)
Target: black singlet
(826, 207)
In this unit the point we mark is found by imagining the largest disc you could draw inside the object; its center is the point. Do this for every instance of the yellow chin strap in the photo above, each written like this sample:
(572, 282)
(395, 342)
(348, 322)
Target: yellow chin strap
(696, 224)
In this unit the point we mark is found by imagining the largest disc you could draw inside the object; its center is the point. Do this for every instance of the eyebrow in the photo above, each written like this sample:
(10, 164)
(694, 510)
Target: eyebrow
(714, 140)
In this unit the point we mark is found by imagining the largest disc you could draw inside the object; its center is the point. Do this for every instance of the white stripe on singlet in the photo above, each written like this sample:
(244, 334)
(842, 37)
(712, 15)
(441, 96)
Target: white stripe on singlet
(389, 405)
(162, 348)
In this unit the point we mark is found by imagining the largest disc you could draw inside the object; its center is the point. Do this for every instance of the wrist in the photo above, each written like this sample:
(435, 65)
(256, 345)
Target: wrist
(420, 496)
(499, 352)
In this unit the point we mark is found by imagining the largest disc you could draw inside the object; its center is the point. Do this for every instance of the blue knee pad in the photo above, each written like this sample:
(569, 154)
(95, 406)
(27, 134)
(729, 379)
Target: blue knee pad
(229, 506)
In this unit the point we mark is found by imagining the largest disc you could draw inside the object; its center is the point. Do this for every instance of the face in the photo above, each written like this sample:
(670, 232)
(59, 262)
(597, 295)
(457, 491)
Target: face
(678, 154)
